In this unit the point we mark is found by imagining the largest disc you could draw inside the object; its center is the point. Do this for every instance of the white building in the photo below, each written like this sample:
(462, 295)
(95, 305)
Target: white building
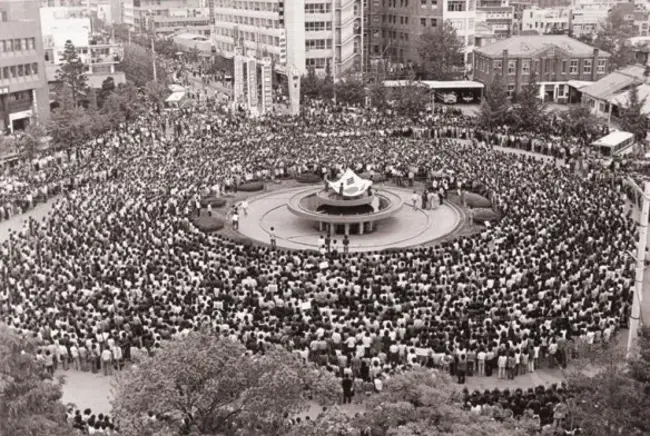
(166, 17)
(462, 15)
(100, 56)
(587, 21)
(546, 20)
(305, 34)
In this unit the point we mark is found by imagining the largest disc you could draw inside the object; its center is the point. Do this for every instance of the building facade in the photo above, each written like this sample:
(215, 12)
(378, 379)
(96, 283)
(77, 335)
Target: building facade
(100, 55)
(498, 15)
(23, 87)
(548, 20)
(317, 35)
(553, 59)
(166, 17)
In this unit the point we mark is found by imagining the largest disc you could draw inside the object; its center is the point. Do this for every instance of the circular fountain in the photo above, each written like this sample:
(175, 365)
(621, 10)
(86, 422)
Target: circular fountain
(347, 206)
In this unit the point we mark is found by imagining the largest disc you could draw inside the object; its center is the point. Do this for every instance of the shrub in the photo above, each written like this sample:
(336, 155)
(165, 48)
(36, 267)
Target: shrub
(213, 201)
(209, 224)
(376, 178)
(308, 178)
(477, 201)
(256, 185)
(482, 214)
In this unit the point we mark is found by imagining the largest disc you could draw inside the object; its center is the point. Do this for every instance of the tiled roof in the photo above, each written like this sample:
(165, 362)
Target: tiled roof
(526, 45)
(613, 83)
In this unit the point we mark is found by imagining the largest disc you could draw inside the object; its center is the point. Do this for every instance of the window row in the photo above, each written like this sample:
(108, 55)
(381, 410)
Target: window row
(17, 71)
(17, 44)
(316, 62)
(318, 8)
(393, 19)
(318, 44)
(571, 66)
(248, 21)
(433, 22)
(318, 26)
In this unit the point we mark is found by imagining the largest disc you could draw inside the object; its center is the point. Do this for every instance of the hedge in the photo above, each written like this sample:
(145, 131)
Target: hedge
(377, 177)
(308, 178)
(209, 224)
(481, 215)
(477, 201)
(251, 186)
(213, 201)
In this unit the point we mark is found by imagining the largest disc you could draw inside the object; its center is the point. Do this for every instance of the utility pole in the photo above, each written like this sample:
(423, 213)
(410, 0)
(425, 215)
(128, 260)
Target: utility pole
(635, 314)
(153, 59)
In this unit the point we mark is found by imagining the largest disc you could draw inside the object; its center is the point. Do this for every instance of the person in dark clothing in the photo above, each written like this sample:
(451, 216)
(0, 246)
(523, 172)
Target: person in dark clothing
(348, 389)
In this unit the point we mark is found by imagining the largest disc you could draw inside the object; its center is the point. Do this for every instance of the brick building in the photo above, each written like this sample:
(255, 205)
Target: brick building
(554, 59)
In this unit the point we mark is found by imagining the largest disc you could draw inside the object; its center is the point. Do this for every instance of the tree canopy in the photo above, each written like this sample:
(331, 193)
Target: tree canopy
(441, 52)
(613, 38)
(632, 117)
(495, 107)
(137, 65)
(30, 401)
(210, 385)
(531, 113)
(72, 73)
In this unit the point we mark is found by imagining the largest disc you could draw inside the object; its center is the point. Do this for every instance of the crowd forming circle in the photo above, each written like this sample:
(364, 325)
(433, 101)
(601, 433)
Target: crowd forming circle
(118, 260)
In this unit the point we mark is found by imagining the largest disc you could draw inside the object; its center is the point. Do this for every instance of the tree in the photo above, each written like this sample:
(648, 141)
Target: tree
(310, 84)
(69, 124)
(156, 92)
(495, 107)
(30, 140)
(137, 65)
(210, 385)
(612, 395)
(351, 91)
(72, 73)
(578, 121)
(108, 87)
(441, 51)
(130, 100)
(419, 402)
(613, 38)
(378, 95)
(632, 117)
(531, 113)
(30, 401)
(112, 110)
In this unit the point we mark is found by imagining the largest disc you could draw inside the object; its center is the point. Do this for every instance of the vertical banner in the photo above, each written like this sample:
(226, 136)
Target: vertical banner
(239, 78)
(252, 83)
(294, 91)
(267, 86)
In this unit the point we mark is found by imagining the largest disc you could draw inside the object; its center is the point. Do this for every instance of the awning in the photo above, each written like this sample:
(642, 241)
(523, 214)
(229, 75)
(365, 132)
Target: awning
(579, 84)
(453, 84)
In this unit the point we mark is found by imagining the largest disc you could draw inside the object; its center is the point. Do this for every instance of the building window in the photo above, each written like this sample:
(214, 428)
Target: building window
(586, 67)
(456, 6)
(602, 63)
(497, 65)
(423, 22)
(512, 67)
(511, 90)
(434, 22)
(564, 62)
(525, 67)
(34, 68)
(3, 16)
(573, 69)
(423, 3)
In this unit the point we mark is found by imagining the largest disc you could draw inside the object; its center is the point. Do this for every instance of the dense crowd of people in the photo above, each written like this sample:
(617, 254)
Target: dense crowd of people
(117, 267)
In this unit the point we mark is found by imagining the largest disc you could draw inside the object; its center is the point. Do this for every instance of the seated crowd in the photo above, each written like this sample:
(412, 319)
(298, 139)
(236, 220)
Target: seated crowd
(117, 266)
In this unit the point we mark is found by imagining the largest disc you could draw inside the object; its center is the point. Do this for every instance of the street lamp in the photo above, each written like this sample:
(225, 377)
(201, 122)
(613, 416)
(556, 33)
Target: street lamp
(635, 315)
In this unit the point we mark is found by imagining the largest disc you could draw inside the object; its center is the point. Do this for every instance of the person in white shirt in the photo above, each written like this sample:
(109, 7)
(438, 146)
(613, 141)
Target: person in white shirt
(106, 357)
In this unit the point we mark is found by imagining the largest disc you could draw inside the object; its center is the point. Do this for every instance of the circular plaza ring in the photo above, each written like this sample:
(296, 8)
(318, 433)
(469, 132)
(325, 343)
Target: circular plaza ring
(400, 226)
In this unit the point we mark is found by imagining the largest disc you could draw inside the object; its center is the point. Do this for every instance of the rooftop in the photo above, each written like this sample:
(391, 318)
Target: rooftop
(613, 83)
(530, 45)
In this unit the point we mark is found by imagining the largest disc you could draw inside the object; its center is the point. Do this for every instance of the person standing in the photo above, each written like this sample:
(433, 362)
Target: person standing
(106, 357)
(414, 200)
(235, 219)
(274, 242)
(348, 389)
(346, 244)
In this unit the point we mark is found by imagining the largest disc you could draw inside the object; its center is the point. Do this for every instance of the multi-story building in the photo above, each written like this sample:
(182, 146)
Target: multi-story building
(462, 15)
(101, 56)
(546, 20)
(587, 21)
(553, 59)
(166, 17)
(23, 88)
(498, 15)
(318, 35)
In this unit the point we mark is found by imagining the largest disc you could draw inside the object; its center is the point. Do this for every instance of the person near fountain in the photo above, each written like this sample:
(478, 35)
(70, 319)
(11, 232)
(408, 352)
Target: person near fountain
(272, 237)
(414, 200)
